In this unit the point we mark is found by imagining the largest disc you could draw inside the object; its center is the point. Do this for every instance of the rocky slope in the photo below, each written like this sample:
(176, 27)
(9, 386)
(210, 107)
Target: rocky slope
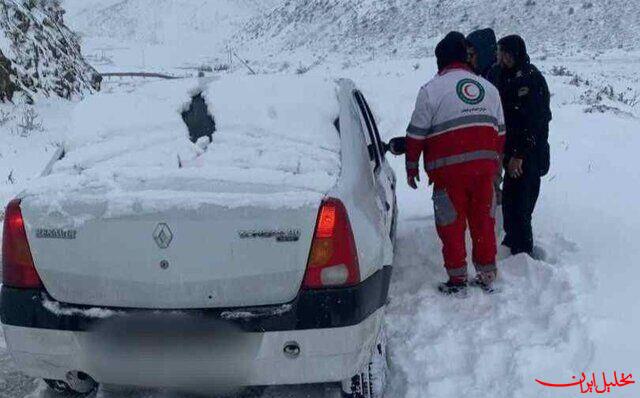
(409, 27)
(39, 54)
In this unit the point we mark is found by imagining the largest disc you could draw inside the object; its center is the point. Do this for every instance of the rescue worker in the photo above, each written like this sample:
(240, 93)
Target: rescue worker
(525, 99)
(482, 53)
(456, 128)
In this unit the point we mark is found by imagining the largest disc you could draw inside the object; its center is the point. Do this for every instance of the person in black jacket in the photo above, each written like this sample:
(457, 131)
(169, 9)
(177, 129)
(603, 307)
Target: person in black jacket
(525, 99)
(481, 50)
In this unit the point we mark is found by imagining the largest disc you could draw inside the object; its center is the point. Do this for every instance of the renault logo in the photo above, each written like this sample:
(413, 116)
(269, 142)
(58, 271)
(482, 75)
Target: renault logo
(163, 235)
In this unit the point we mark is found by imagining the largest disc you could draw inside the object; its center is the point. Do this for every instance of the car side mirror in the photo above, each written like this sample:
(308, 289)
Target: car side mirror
(396, 146)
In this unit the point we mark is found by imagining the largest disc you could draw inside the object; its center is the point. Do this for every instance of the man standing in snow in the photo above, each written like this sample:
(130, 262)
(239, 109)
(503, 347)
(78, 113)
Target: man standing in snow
(525, 99)
(482, 53)
(482, 49)
(456, 126)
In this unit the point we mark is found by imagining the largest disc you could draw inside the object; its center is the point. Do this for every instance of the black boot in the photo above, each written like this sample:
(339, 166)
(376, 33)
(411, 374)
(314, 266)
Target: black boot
(450, 288)
(484, 284)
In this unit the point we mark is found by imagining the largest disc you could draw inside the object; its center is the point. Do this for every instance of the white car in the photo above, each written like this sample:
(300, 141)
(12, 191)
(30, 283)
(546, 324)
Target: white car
(259, 257)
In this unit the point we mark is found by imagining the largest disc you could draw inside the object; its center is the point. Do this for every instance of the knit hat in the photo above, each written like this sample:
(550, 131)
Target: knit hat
(451, 49)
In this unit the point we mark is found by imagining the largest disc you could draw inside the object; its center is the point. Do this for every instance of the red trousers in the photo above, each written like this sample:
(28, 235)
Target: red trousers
(458, 201)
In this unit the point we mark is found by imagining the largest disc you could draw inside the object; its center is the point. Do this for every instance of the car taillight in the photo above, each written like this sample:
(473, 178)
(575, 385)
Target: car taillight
(333, 260)
(18, 269)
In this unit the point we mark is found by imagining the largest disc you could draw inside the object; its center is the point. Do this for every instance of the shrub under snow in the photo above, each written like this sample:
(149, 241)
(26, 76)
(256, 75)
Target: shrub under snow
(39, 54)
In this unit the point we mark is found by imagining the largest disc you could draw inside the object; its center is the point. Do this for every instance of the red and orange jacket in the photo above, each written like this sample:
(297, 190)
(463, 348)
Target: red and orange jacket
(458, 125)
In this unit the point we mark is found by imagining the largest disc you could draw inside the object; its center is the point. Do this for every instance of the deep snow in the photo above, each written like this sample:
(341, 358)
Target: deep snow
(552, 319)
(573, 312)
(275, 146)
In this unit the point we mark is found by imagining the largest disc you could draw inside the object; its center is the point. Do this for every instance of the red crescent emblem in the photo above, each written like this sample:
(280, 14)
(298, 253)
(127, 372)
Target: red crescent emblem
(466, 91)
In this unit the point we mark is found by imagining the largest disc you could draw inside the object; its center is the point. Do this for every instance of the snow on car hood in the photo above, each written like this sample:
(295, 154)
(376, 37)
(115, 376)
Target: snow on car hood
(275, 145)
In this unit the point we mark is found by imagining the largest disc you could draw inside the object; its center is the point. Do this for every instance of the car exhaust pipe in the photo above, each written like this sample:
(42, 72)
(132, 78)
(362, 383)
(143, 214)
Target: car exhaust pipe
(80, 382)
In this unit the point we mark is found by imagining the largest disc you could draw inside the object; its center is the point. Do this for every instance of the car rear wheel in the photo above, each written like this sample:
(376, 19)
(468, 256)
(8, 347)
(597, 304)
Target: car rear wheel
(372, 381)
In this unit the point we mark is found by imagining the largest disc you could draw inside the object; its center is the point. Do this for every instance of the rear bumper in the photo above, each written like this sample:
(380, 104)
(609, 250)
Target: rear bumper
(312, 309)
(334, 328)
(326, 355)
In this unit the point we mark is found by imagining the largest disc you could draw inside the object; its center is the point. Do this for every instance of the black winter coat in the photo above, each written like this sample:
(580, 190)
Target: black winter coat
(526, 102)
(484, 42)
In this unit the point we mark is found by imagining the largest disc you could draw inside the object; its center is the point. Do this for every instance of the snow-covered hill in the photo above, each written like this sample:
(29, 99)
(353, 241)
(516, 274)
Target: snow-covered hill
(279, 35)
(161, 21)
(409, 27)
(156, 34)
(39, 54)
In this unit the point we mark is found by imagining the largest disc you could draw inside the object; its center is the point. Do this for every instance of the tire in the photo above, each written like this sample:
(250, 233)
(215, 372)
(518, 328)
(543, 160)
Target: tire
(372, 382)
(58, 386)
(333, 391)
(63, 389)
(379, 366)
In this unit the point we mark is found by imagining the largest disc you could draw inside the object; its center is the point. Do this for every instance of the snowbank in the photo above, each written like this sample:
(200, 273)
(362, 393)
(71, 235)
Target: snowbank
(484, 345)
(274, 146)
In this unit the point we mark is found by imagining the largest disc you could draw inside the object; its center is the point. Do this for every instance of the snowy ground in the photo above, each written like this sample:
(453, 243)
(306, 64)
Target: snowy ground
(575, 312)
(552, 320)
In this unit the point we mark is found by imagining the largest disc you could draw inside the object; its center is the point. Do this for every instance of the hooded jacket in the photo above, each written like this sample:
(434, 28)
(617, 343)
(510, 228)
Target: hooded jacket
(484, 43)
(515, 46)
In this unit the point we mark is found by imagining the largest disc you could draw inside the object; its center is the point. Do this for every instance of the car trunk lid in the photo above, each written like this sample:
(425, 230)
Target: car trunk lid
(211, 256)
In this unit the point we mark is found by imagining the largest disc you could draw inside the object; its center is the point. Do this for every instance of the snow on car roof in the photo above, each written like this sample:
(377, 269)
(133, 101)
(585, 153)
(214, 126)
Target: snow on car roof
(275, 145)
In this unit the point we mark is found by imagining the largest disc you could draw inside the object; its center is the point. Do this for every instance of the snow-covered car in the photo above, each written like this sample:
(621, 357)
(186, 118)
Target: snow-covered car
(258, 256)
